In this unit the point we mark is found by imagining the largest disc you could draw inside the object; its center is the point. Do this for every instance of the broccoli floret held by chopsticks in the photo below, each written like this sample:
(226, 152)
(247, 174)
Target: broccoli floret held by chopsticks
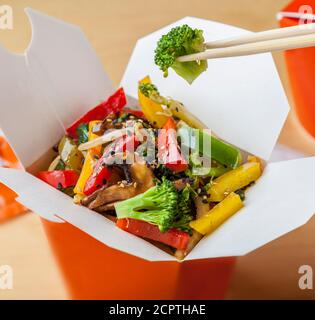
(180, 41)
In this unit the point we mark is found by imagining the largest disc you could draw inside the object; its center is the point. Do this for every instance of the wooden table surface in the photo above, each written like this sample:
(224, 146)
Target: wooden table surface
(113, 28)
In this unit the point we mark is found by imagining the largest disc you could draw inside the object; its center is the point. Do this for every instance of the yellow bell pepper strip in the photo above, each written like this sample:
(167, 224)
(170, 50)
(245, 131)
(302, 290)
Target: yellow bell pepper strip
(234, 180)
(152, 110)
(173, 107)
(218, 214)
(89, 160)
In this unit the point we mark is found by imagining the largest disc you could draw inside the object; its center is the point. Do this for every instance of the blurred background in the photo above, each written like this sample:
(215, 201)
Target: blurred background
(113, 27)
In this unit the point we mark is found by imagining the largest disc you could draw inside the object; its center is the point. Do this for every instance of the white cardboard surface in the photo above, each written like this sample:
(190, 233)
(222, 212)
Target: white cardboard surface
(283, 199)
(46, 89)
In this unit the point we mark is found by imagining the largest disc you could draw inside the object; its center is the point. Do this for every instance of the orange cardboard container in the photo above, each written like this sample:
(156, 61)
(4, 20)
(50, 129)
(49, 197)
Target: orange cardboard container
(60, 78)
(94, 271)
(9, 208)
(301, 64)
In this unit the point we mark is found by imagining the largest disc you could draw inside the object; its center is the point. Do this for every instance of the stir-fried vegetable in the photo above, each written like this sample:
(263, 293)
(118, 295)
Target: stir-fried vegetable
(59, 179)
(212, 169)
(234, 180)
(180, 254)
(70, 155)
(218, 214)
(209, 146)
(99, 141)
(127, 143)
(158, 206)
(90, 159)
(112, 105)
(180, 41)
(83, 133)
(154, 102)
(172, 183)
(99, 177)
(173, 237)
(161, 205)
(169, 153)
(152, 110)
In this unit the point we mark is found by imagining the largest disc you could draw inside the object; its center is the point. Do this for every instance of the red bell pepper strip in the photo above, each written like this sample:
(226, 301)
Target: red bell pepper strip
(122, 144)
(59, 178)
(101, 172)
(113, 104)
(168, 149)
(98, 178)
(175, 238)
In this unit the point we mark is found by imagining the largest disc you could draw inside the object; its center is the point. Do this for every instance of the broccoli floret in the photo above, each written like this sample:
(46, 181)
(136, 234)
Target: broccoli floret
(148, 89)
(151, 91)
(161, 205)
(180, 41)
(157, 205)
(185, 204)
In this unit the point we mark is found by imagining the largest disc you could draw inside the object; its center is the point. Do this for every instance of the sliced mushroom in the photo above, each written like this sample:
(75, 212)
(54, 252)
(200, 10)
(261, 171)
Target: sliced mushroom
(142, 177)
(142, 180)
(106, 207)
(107, 124)
(87, 200)
(112, 194)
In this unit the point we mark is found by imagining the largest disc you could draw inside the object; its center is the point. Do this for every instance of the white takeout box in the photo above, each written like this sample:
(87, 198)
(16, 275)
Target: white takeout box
(241, 99)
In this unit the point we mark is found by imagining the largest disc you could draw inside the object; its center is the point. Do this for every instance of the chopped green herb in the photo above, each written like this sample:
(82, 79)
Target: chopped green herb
(83, 133)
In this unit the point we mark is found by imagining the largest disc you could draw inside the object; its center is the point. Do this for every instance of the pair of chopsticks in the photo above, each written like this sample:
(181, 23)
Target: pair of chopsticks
(300, 36)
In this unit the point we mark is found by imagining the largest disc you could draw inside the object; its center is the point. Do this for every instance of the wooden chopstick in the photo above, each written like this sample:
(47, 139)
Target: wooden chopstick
(248, 45)
(253, 48)
(263, 36)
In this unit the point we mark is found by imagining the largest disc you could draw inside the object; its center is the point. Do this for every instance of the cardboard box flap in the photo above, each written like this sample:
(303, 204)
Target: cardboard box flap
(281, 201)
(29, 191)
(241, 99)
(24, 113)
(55, 206)
(57, 80)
